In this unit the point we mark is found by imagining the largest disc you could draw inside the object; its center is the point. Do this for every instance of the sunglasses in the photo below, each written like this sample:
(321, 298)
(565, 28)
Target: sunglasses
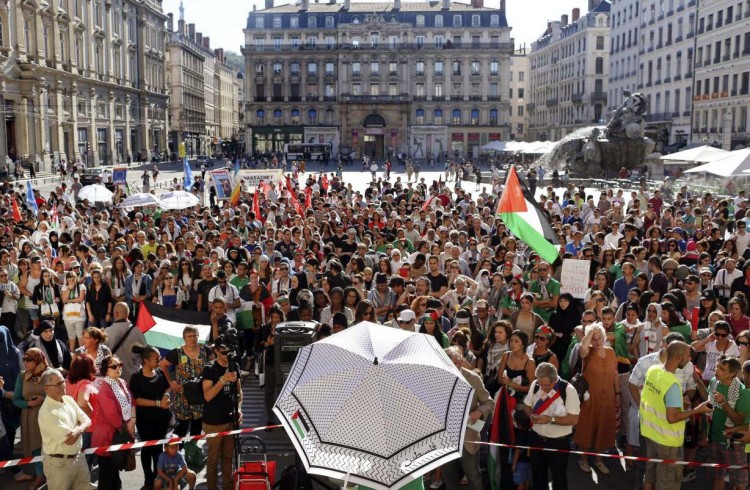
(28, 359)
(743, 343)
(224, 352)
(721, 335)
(115, 366)
(540, 337)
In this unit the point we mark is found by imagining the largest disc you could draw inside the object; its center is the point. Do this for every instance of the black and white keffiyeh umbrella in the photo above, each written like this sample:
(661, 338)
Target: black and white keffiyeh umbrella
(374, 405)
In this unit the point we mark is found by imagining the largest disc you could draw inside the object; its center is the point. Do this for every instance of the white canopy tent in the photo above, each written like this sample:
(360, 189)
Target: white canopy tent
(699, 154)
(734, 164)
(496, 145)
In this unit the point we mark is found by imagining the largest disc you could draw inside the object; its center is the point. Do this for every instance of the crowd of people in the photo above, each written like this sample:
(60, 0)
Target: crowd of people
(653, 359)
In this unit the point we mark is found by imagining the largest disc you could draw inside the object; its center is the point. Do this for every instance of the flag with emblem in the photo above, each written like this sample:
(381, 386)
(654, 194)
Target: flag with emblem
(521, 214)
(300, 425)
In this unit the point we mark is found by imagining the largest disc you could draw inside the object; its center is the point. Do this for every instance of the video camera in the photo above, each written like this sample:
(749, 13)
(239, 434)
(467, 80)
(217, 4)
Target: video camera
(229, 339)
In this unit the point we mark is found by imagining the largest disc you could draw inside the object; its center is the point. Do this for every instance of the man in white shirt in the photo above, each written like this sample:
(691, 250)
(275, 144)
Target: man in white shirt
(554, 413)
(724, 279)
(614, 236)
(229, 293)
(61, 423)
(741, 237)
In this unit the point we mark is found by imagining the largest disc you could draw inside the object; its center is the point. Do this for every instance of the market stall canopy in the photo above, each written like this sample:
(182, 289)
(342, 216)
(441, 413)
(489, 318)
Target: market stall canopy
(699, 154)
(734, 164)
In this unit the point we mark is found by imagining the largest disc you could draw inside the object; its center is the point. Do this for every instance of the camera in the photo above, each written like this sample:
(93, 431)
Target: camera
(229, 339)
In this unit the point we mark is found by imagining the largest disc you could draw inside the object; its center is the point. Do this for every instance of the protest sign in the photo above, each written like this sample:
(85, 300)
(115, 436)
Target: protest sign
(575, 277)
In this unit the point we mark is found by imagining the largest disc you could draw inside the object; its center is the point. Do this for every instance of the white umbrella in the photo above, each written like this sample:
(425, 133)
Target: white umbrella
(699, 154)
(733, 164)
(495, 146)
(95, 193)
(376, 406)
(178, 200)
(140, 199)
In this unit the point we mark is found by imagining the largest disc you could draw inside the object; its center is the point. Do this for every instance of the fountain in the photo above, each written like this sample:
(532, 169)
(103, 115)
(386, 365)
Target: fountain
(606, 149)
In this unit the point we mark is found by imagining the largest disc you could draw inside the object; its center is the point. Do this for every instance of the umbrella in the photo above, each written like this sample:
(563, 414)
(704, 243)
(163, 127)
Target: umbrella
(178, 200)
(495, 146)
(733, 164)
(95, 193)
(140, 199)
(698, 154)
(376, 406)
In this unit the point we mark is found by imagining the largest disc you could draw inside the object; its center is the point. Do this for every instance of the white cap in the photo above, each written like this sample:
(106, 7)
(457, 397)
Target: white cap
(406, 316)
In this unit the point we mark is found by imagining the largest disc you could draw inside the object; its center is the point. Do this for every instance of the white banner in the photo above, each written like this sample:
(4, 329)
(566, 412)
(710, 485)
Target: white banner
(575, 277)
(253, 177)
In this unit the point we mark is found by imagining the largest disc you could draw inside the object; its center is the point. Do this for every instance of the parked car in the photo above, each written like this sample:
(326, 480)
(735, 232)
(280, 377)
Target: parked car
(203, 159)
(95, 175)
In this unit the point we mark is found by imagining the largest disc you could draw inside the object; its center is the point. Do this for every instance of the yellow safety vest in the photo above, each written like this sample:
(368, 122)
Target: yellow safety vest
(653, 410)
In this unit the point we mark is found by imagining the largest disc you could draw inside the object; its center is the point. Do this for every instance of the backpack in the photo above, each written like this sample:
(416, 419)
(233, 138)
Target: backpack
(193, 454)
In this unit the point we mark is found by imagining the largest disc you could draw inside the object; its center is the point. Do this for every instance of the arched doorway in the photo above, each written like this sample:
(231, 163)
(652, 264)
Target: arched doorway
(374, 141)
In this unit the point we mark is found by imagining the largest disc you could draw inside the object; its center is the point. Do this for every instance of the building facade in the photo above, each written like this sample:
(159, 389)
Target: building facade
(568, 67)
(519, 86)
(623, 50)
(722, 73)
(427, 79)
(82, 81)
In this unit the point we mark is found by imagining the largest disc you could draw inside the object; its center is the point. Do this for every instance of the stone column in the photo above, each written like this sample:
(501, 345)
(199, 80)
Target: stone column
(111, 131)
(93, 136)
(74, 119)
(3, 134)
(108, 57)
(44, 145)
(59, 134)
(126, 139)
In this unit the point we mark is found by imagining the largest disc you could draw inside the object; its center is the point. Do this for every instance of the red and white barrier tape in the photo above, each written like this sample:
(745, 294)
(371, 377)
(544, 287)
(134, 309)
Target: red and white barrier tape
(692, 464)
(139, 444)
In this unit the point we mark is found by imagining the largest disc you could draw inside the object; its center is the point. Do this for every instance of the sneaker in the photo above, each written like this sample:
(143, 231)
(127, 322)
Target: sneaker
(464, 481)
(689, 474)
(436, 484)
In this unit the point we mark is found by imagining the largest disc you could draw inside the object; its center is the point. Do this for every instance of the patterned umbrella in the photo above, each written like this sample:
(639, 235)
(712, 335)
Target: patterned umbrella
(374, 405)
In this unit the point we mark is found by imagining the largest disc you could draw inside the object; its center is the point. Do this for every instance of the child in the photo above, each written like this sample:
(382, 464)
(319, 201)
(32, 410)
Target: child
(171, 469)
(521, 464)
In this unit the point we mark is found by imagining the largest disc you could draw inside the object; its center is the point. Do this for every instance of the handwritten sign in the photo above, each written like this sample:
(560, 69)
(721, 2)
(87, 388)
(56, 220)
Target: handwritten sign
(575, 277)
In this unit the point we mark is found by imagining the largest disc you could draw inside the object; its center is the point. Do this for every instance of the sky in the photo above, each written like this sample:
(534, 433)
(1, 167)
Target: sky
(223, 20)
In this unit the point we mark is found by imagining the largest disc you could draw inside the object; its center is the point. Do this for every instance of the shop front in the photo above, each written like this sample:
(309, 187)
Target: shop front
(268, 139)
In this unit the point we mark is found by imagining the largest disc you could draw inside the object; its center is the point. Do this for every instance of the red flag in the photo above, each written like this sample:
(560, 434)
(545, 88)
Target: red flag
(289, 185)
(16, 212)
(295, 202)
(324, 183)
(256, 206)
(427, 203)
(308, 197)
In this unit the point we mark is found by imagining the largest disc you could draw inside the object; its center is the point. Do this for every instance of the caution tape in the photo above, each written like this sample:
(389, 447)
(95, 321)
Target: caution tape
(140, 444)
(643, 459)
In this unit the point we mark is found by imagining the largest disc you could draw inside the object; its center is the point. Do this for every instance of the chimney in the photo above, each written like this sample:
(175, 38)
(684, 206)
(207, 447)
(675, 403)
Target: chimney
(191, 31)
(593, 4)
(199, 38)
(502, 4)
(219, 54)
(181, 27)
(397, 5)
(576, 14)
(207, 43)
(446, 4)
(477, 3)
(269, 4)
(304, 5)
(170, 22)
(347, 3)
(549, 28)
(563, 20)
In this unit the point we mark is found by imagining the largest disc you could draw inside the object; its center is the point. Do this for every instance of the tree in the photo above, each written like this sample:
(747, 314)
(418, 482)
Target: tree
(235, 61)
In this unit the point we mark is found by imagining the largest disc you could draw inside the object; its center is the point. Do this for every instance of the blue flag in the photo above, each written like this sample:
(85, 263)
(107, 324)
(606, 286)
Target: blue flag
(188, 175)
(236, 166)
(30, 199)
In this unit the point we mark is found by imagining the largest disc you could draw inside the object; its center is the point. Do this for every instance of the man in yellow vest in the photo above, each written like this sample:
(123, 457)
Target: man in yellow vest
(663, 419)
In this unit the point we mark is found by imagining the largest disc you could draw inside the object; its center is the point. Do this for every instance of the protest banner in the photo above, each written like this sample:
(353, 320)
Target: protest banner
(120, 175)
(253, 177)
(575, 277)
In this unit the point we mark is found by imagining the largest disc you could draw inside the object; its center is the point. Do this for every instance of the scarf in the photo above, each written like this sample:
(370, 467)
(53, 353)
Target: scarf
(51, 347)
(122, 396)
(732, 396)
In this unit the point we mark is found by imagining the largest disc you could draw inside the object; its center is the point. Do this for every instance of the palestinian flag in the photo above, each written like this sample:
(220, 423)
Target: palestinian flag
(298, 421)
(521, 214)
(162, 326)
(501, 431)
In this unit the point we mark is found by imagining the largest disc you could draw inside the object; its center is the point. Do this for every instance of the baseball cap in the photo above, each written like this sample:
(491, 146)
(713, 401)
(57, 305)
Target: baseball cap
(406, 316)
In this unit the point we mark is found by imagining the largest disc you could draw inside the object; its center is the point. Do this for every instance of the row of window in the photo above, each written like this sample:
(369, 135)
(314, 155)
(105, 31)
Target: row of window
(715, 117)
(374, 42)
(329, 21)
(438, 116)
(330, 68)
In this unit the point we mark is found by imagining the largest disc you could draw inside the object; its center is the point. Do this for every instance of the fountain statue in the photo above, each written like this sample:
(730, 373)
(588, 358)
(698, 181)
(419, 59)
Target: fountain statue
(598, 150)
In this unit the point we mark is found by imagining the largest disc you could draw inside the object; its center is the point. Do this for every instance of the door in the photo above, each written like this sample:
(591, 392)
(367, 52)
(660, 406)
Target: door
(373, 147)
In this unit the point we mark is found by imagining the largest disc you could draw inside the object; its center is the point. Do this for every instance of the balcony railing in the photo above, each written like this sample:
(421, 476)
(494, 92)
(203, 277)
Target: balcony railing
(597, 97)
(551, 102)
(375, 98)
(503, 46)
(530, 106)
(659, 117)
(576, 98)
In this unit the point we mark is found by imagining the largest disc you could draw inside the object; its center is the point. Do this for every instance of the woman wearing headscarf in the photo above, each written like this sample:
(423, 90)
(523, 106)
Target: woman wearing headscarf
(54, 350)
(10, 368)
(651, 332)
(28, 395)
(565, 318)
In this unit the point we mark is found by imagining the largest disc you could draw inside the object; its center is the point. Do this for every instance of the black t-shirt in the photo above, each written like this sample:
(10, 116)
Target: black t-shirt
(287, 249)
(152, 388)
(437, 282)
(205, 287)
(219, 410)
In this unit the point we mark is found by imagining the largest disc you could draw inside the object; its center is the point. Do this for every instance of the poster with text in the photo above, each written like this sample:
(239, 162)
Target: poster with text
(223, 182)
(575, 277)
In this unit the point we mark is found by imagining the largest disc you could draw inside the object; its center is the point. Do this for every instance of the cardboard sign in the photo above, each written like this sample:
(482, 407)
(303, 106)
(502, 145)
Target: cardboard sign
(575, 277)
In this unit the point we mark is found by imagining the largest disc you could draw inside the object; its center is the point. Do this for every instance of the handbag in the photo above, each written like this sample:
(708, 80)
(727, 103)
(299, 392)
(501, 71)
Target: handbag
(193, 391)
(72, 311)
(578, 381)
(49, 309)
(123, 459)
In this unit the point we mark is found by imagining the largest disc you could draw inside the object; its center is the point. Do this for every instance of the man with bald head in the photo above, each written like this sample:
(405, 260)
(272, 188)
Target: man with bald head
(663, 418)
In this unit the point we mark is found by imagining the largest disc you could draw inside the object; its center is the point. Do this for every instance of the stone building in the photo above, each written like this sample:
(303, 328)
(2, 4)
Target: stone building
(428, 79)
(82, 80)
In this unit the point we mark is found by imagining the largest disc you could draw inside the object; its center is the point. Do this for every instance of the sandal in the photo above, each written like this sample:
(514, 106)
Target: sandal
(38, 482)
(584, 465)
(21, 477)
(602, 467)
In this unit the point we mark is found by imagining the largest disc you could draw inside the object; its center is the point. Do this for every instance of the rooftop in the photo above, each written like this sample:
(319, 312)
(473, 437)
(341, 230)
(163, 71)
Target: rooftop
(375, 7)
